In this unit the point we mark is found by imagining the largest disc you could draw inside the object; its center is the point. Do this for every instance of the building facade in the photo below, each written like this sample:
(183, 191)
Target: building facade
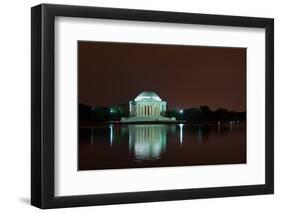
(147, 106)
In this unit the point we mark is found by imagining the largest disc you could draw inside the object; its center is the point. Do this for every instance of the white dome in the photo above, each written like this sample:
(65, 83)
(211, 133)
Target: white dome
(148, 96)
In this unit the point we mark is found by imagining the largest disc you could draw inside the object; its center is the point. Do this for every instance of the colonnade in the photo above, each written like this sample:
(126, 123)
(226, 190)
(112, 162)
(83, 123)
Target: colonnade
(148, 110)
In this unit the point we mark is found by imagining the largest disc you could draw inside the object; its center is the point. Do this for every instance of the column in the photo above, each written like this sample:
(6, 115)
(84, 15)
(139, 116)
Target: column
(146, 110)
(157, 110)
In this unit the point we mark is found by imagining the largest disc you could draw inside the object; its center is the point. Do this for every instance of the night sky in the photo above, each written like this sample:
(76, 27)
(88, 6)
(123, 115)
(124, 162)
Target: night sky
(185, 76)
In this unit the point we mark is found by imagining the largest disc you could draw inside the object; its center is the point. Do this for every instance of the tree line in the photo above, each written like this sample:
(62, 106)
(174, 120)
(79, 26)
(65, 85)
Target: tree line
(200, 114)
(103, 113)
(205, 114)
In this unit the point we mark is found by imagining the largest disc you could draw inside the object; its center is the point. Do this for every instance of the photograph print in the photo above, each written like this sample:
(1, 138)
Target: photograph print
(160, 105)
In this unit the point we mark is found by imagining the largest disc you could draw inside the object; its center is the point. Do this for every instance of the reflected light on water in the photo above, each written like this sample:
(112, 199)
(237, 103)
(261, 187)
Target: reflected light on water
(199, 134)
(219, 127)
(147, 142)
(149, 145)
(111, 134)
(92, 136)
(181, 125)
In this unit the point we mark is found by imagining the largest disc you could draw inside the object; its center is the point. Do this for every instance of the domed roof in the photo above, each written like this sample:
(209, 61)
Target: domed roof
(147, 95)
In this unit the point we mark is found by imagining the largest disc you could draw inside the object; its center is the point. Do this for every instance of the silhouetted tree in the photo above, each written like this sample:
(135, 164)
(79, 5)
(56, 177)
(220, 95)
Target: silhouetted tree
(84, 112)
(119, 111)
(206, 113)
(221, 115)
(100, 113)
(174, 113)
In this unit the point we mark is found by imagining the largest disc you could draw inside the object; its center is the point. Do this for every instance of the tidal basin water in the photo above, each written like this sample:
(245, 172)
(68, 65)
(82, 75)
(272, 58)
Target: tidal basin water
(160, 145)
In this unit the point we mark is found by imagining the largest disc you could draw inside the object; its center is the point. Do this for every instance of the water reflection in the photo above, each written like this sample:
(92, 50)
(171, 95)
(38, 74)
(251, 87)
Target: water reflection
(149, 145)
(147, 142)
(181, 125)
(111, 134)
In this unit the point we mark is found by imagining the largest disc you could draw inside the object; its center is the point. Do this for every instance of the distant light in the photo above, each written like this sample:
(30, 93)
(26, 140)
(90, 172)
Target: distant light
(181, 111)
(111, 110)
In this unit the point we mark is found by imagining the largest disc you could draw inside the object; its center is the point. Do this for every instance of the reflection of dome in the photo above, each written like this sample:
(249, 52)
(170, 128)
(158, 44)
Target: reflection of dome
(148, 96)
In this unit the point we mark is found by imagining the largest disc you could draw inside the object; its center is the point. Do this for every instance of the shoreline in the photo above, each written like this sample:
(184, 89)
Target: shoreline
(119, 123)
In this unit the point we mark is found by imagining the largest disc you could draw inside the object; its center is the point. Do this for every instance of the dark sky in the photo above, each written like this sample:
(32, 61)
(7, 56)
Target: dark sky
(184, 76)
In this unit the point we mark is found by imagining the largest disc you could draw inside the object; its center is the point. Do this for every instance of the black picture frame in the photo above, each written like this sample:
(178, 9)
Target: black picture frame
(43, 117)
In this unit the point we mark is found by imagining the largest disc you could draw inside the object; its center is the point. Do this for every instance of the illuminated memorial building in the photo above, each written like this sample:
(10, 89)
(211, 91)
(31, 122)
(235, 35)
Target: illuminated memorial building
(147, 106)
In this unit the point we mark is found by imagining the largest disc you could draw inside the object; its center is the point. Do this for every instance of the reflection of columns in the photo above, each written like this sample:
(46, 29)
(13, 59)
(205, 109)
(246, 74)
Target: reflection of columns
(147, 142)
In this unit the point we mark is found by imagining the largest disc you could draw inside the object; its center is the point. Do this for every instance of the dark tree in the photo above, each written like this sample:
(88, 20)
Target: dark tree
(206, 113)
(221, 115)
(84, 112)
(100, 113)
(119, 111)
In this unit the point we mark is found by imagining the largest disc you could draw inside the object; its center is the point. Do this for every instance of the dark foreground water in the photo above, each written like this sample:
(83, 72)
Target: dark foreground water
(160, 145)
